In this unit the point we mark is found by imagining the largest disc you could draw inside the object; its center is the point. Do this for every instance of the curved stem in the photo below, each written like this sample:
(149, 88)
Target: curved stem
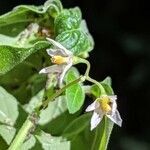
(98, 84)
(81, 60)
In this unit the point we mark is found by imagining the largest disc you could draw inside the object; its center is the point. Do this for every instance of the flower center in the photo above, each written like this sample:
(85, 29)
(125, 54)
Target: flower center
(105, 104)
(59, 59)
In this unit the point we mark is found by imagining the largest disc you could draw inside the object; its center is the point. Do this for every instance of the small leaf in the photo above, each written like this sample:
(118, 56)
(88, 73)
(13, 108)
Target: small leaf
(75, 94)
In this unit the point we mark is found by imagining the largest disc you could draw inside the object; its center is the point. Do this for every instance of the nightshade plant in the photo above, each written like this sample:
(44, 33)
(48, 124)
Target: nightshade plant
(42, 91)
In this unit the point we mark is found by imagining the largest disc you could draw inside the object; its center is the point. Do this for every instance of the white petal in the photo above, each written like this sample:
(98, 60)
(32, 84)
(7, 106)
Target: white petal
(95, 120)
(67, 67)
(116, 118)
(62, 48)
(113, 97)
(114, 107)
(93, 106)
(52, 69)
(54, 52)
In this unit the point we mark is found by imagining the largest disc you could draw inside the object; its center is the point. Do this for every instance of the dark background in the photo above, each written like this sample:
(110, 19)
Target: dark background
(122, 50)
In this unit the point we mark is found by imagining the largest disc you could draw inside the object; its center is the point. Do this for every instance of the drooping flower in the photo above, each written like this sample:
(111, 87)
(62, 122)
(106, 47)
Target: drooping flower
(104, 105)
(61, 58)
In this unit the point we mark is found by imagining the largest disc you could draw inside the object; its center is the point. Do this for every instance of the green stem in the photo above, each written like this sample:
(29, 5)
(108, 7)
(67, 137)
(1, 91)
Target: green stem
(98, 84)
(45, 103)
(81, 60)
(20, 137)
(28, 124)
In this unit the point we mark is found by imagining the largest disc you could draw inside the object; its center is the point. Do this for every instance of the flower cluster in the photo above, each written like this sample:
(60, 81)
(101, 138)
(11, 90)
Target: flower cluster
(102, 106)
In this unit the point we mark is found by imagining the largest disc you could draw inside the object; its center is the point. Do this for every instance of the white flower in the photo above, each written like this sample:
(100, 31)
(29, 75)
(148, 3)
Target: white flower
(105, 105)
(61, 57)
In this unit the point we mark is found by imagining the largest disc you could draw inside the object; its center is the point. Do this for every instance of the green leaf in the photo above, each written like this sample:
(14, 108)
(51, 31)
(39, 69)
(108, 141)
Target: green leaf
(11, 56)
(77, 126)
(8, 108)
(72, 32)
(76, 41)
(67, 20)
(74, 94)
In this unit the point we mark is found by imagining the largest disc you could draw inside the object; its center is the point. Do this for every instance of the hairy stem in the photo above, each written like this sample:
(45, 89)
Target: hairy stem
(81, 60)
(20, 137)
(28, 124)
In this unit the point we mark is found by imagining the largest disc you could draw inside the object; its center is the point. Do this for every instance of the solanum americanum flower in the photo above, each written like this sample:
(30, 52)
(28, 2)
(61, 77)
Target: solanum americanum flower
(104, 106)
(61, 58)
